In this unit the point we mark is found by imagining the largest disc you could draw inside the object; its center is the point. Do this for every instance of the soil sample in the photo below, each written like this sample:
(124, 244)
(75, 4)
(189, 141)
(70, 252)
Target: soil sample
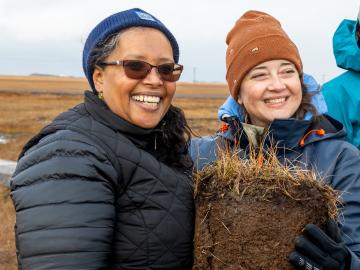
(248, 212)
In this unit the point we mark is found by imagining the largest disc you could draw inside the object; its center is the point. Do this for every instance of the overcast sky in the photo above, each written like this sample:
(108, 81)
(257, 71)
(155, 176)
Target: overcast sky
(47, 36)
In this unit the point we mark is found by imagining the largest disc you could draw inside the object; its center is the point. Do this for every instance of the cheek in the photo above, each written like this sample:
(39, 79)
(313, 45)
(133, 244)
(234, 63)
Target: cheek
(170, 88)
(251, 97)
(297, 93)
(299, 99)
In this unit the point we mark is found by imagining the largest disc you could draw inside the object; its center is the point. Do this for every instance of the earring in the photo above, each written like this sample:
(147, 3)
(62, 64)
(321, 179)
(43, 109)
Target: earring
(100, 95)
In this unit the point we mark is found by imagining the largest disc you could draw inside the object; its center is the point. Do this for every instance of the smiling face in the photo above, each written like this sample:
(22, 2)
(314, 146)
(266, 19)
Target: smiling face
(142, 102)
(271, 90)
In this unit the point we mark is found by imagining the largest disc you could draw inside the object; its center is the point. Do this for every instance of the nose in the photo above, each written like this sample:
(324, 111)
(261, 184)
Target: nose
(276, 83)
(153, 77)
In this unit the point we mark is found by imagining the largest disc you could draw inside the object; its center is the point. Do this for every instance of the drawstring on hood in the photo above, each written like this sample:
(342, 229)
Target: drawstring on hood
(224, 127)
(320, 132)
(161, 131)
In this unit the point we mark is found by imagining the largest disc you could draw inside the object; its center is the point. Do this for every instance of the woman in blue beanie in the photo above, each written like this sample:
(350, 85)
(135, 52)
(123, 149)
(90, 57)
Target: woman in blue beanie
(107, 184)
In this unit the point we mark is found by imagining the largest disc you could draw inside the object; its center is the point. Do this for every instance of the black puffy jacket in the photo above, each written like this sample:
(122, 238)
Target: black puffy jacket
(90, 193)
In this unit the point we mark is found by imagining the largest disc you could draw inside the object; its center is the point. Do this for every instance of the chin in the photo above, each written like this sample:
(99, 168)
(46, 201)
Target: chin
(147, 124)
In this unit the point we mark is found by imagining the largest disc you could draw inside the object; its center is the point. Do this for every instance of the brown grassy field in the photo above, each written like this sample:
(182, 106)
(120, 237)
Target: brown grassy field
(75, 85)
(28, 103)
(7, 219)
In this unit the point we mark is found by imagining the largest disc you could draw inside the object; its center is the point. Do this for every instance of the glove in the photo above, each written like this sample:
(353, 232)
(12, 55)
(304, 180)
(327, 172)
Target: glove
(317, 250)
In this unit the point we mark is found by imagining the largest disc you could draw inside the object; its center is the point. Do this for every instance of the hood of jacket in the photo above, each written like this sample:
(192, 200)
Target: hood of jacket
(288, 133)
(346, 50)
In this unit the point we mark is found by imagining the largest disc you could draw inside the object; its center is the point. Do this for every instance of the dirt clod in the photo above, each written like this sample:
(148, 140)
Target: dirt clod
(248, 215)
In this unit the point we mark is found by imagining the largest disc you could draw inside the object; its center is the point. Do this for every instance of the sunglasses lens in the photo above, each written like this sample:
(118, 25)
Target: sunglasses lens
(166, 69)
(136, 69)
(170, 72)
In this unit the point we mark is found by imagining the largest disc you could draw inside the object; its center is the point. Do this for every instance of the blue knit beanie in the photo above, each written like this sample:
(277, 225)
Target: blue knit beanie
(114, 24)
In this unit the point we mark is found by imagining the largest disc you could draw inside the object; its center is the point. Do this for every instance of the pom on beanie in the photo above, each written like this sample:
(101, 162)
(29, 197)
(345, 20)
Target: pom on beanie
(257, 37)
(114, 24)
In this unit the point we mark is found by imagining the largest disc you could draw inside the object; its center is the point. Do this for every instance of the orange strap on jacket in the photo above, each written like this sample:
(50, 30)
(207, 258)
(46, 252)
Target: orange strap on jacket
(224, 128)
(320, 132)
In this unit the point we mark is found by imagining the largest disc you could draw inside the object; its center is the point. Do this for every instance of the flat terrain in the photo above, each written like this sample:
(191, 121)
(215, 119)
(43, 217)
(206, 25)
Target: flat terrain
(28, 103)
(75, 85)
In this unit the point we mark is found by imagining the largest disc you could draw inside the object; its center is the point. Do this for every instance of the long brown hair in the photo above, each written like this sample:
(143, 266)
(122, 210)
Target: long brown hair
(306, 104)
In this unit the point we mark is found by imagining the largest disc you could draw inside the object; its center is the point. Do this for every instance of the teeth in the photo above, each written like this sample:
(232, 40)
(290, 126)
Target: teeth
(275, 100)
(151, 104)
(147, 99)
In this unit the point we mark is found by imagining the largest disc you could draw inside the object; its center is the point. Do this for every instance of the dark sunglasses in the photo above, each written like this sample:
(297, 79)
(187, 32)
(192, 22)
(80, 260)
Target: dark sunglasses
(136, 69)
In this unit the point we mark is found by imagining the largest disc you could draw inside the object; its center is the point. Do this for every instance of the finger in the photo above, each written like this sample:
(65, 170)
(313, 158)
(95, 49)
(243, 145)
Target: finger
(305, 247)
(301, 262)
(320, 238)
(336, 252)
(333, 230)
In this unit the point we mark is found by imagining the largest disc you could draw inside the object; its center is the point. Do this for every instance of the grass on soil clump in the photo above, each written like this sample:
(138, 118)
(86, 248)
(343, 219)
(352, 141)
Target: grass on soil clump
(249, 211)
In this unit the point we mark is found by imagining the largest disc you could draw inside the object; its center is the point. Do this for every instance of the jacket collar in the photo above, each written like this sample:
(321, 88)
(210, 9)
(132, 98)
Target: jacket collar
(101, 112)
(287, 133)
(143, 138)
(332, 128)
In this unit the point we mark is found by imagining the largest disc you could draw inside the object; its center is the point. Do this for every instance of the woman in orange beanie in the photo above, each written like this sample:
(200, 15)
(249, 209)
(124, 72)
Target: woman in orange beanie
(265, 76)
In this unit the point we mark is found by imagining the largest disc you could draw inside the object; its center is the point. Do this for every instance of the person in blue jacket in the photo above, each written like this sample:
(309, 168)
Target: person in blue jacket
(265, 77)
(342, 94)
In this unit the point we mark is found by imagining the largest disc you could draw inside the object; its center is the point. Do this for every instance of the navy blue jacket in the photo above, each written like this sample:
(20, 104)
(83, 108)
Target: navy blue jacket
(336, 160)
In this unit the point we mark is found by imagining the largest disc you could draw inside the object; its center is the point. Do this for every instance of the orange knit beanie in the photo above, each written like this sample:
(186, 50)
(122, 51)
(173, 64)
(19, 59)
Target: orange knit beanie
(257, 37)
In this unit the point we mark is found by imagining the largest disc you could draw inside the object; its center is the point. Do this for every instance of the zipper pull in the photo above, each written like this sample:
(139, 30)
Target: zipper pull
(155, 141)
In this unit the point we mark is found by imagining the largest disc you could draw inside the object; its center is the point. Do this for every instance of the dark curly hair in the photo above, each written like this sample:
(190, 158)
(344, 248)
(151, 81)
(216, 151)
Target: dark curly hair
(175, 139)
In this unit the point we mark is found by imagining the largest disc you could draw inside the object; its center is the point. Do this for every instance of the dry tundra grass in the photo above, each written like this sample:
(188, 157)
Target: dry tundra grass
(29, 103)
(236, 197)
(74, 85)
(7, 243)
